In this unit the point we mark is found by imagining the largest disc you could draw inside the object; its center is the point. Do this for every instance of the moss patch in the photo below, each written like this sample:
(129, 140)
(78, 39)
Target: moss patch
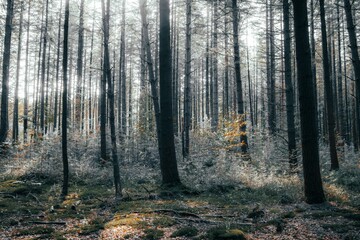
(185, 232)
(221, 233)
(153, 234)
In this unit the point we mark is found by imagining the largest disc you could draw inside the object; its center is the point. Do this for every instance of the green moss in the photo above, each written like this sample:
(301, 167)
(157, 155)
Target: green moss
(288, 215)
(153, 234)
(164, 222)
(221, 233)
(34, 231)
(185, 232)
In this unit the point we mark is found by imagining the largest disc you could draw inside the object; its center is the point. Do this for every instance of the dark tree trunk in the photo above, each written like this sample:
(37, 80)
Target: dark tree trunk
(215, 90)
(271, 73)
(79, 71)
(239, 91)
(356, 63)
(123, 73)
(4, 124)
(289, 88)
(328, 91)
(153, 81)
(310, 147)
(26, 93)
(187, 84)
(43, 68)
(339, 76)
(169, 170)
(16, 100)
(107, 75)
(64, 191)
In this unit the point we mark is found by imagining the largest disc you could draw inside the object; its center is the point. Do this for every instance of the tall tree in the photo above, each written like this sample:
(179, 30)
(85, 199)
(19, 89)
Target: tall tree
(65, 186)
(215, 84)
(355, 61)
(16, 101)
(4, 124)
(107, 75)
(79, 70)
(239, 91)
(310, 146)
(328, 91)
(26, 93)
(168, 163)
(289, 87)
(187, 84)
(43, 69)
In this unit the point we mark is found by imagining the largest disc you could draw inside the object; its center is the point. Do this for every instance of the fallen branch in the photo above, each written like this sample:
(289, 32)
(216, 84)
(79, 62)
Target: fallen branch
(48, 223)
(180, 213)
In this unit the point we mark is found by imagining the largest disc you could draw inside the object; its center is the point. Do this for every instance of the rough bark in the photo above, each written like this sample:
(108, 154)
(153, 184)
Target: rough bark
(310, 147)
(168, 164)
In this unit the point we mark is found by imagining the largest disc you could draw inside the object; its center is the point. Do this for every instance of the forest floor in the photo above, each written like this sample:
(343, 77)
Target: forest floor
(224, 198)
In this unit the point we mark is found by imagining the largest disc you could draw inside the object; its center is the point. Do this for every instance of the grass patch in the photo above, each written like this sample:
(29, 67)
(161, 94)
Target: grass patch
(222, 233)
(164, 222)
(34, 231)
(153, 234)
(185, 232)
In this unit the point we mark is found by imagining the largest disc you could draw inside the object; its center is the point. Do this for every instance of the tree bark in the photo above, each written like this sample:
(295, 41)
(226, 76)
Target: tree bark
(356, 63)
(168, 164)
(290, 116)
(310, 147)
(4, 124)
(65, 185)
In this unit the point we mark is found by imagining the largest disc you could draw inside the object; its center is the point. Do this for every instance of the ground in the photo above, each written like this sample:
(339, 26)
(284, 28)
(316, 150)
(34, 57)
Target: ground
(222, 197)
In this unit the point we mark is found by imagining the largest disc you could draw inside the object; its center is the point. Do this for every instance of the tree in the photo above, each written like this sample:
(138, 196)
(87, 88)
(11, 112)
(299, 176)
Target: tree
(168, 164)
(356, 64)
(289, 88)
(64, 191)
(187, 90)
(16, 101)
(328, 91)
(79, 71)
(310, 147)
(4, 123)
(107, 75)
(239, 91)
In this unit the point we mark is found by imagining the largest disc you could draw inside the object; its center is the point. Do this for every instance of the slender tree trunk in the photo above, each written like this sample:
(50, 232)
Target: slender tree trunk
(289, 88)
(328, 91)
(107, 75)
(310, 147)
(215, 106)
(168, 164)
(64, 191)
(187, 84)
(339, 76)
(79, 71)
(16, 101)
(356, 63)
(4, 124)
(43, 69)
(26, 93)
(123, 73)
(239, 92)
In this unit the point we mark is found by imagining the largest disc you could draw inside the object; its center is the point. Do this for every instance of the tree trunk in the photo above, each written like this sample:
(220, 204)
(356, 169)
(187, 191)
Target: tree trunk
(187, 84)
(16, 100)
(356, 62)
(310, 147)
(107, 75)
(64, 191)
(289, 89)
(43, 68)
(328, 91)
(215, 90)
(26, 93)
(79, 71)
(4, 124)
(168, 164)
